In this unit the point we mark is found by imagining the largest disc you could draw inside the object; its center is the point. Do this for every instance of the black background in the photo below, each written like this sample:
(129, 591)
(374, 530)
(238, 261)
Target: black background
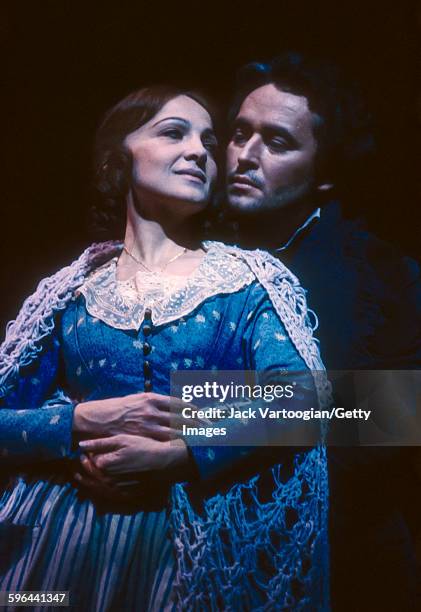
(67, 62)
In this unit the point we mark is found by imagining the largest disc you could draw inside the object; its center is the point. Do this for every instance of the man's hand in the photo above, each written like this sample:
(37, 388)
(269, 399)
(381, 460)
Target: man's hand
(143, 414)
(126, 453)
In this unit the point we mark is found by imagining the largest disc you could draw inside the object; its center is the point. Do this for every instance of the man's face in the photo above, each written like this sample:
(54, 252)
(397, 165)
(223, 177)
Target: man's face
(272, 150)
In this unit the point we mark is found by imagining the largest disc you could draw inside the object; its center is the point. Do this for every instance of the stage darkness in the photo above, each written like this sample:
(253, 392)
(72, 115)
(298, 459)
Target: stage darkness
(67, 62)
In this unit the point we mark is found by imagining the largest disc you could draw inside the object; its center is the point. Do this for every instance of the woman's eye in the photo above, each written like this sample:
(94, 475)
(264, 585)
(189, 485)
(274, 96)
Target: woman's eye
(211, 144)
(173, 133)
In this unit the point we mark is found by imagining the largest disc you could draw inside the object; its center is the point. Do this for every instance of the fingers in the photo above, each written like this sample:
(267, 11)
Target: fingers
(100, 445)
(127, 483)
(84, 481)
(161, 433)
(106, 491)
(104, 452)
(88, 477)
(89, 466)
(94, 477)
(110, 462)
(92, 470)
(124, 454)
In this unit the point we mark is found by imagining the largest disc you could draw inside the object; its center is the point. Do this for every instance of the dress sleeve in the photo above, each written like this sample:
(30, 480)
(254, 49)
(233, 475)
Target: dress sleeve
(36, 417)
(269, 351)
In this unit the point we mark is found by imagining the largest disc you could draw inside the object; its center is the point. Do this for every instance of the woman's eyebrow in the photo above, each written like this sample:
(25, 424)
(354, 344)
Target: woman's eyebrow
(180, 119)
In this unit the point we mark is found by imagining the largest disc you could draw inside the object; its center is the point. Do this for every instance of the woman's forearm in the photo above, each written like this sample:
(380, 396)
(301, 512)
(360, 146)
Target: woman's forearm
(36, 434)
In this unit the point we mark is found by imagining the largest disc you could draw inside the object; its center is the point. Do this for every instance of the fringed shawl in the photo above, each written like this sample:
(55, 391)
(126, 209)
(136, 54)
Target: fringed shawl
(235, 537)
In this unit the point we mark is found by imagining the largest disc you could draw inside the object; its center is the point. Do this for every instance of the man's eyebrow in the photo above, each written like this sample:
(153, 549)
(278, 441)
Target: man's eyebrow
(272, 128)
(240, 120)
(268, 127)
(279, 130)
(275, 127)
(180, 119)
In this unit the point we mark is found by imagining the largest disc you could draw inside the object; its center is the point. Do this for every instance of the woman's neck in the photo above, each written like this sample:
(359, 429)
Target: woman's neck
(154, 242)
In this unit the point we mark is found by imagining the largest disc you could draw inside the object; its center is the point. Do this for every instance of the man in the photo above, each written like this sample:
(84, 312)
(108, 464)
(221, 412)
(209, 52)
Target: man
(296, 133)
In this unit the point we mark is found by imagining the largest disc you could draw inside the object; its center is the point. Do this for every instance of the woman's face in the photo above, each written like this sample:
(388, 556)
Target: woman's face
(174, 154)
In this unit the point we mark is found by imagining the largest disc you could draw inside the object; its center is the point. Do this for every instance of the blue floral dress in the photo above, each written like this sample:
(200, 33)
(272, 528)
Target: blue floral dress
(117, 338)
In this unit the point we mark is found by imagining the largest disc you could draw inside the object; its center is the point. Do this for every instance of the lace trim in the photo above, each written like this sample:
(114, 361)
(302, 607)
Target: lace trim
(122, 304)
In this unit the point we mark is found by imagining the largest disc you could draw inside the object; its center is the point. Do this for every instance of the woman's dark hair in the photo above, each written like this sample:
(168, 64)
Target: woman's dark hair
(113, 161)
(342, 125)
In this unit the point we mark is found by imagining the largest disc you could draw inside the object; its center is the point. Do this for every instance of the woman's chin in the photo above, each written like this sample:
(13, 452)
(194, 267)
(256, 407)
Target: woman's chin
(190, 200)
(194, 195)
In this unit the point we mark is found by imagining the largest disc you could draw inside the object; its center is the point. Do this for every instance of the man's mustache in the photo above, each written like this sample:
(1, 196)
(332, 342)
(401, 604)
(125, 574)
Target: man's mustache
(250, 175)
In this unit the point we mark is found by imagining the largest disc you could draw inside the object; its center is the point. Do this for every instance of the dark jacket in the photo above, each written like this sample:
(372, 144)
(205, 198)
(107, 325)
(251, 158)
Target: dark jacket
(368, 302)
(367, 297)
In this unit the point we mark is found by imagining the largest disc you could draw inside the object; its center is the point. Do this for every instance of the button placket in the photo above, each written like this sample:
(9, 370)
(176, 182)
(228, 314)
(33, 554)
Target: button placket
(147, 348)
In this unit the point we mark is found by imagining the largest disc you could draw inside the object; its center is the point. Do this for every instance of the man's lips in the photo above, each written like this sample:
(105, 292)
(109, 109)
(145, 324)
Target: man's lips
(194, 173)
(239, 180)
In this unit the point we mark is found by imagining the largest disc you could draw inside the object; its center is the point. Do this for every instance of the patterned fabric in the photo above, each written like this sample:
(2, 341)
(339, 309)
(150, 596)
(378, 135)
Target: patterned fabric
(52, 539)
(285, 535)
(123, 304)
(35, 435)
(36, 318)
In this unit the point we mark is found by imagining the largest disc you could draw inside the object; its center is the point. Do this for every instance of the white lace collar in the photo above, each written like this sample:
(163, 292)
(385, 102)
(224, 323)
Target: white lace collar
(122, 304)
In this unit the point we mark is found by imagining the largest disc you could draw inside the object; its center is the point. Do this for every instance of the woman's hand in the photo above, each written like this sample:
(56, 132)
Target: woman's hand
(89, 477)
(126, 453)
(143, 414)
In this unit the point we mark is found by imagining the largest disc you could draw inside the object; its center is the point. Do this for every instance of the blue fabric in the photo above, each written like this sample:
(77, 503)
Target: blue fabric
(68, 541)
(228, 332)
(30, 434)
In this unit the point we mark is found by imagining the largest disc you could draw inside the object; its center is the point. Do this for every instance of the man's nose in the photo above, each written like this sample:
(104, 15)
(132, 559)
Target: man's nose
(249, 151)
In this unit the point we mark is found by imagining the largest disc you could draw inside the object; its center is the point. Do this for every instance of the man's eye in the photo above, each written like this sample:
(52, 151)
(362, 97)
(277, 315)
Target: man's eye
(239, 136)
(278, 144)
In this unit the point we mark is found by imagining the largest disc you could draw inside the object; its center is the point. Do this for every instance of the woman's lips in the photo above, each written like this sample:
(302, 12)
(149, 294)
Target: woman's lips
(194, 174)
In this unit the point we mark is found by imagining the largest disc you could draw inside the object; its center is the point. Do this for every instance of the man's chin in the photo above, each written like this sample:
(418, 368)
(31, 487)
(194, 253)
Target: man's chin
(243, 204)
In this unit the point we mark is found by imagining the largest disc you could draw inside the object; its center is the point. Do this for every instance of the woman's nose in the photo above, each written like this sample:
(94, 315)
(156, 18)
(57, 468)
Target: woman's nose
(196, 150)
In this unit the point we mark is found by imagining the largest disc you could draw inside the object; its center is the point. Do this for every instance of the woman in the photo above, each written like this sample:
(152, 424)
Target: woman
(90, 355)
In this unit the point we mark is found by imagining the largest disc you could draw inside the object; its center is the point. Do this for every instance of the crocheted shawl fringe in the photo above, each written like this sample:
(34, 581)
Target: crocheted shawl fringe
(35, 319)
(221, 548)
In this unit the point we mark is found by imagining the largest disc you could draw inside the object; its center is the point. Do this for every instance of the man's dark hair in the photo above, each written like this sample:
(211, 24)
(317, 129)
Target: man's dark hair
(342, 126)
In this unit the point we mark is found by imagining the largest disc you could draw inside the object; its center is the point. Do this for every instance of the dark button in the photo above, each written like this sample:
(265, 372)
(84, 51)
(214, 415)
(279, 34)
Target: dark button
(148, 385)
(147, 329)
(146, 348)
(146, 368)
(148, 313)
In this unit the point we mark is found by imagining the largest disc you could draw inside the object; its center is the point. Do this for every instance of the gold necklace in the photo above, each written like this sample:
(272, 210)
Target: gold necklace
(142, 263)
